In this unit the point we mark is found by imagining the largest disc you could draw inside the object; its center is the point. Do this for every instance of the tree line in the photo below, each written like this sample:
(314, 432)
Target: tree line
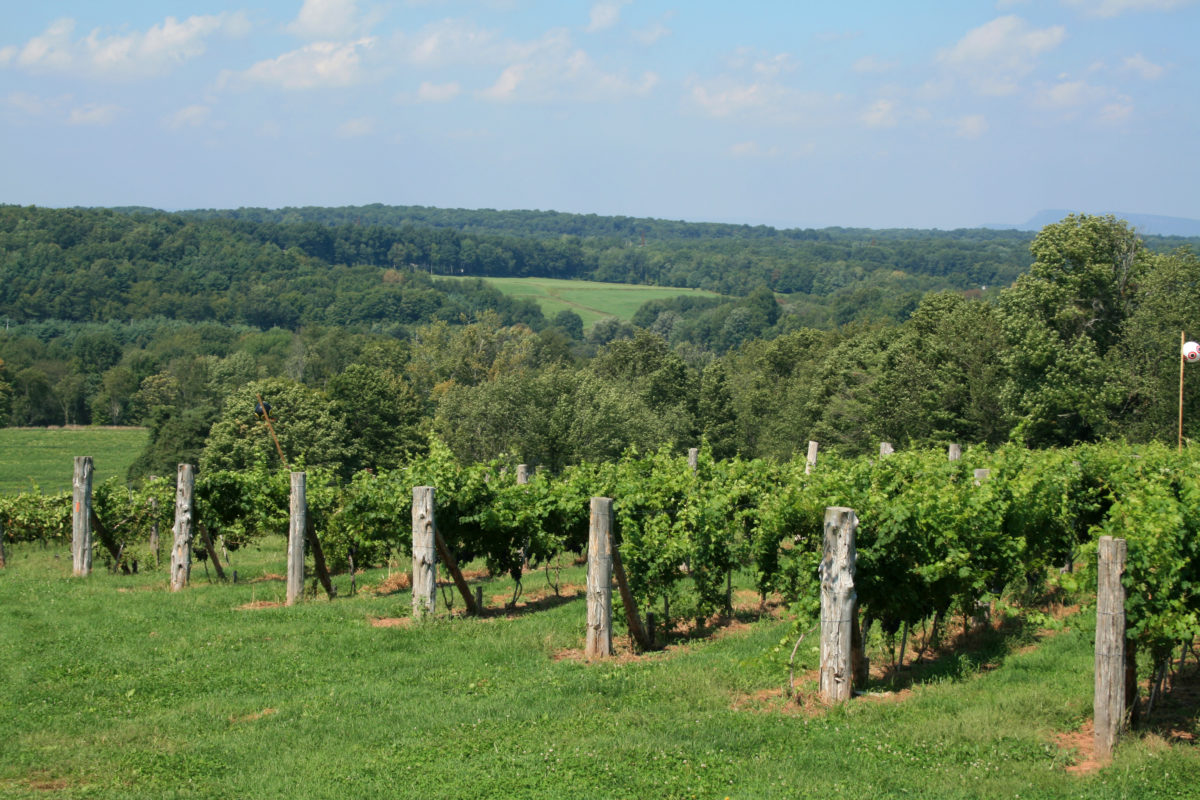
(1082, 346)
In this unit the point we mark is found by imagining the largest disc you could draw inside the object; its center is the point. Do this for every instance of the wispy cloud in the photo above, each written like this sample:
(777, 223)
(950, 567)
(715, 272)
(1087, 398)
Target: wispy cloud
(329, 20)
(881, 114)
(996, 55)
(188, 117)
(1113, 8)
(605, 15)
(971, 126)
(314, 66)
(438, 93)
(357, 127)
(138, 54)
(871, 64)
(1139, 65)
(93, 114)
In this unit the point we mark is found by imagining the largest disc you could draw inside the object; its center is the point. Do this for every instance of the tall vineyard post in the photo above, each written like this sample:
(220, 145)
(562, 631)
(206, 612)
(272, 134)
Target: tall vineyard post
(838, 600)
(424, 552)
(810, 462)
(599, 642)
(185, 510)
(297, 527)
(81, 517)
(1109, 705)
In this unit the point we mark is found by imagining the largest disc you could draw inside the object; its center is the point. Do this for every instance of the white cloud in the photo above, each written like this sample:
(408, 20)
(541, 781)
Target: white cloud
(129, 55)
(438, 93)
(1116, 112)
(554, 70)
(870, 64)
(605, 14)
(881, 114)
(1069, 94)
(316, 65)
(651, 33)
(327, 19)
(1140, 66)
(1113, 8)
(971, 127)
(189, 117)
(33, 105)
(354, 128)
(93, 114)
(996, 55)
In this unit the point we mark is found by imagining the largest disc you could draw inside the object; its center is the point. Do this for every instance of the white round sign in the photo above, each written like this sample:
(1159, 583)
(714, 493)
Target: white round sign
(1191, 351)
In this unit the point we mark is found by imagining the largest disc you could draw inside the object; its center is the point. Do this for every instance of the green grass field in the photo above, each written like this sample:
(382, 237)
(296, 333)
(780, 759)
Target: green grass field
(115, 688)
(591, 300)
(45, 457)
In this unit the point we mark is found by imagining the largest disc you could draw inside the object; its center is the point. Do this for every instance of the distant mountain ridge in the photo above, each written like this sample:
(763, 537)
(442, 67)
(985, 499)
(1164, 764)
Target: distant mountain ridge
(1145, 224)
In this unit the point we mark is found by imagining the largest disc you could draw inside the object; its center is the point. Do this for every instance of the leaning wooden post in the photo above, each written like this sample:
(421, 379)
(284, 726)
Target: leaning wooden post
(81, 516)
(181, 547)
(599, 642)
(837, 604)
(811, 461)
(1109, 704)
(424, 550)
(297, 526)
(954, 451)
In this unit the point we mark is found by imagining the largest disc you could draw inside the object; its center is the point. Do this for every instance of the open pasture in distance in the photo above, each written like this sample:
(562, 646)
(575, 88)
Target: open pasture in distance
(116, 688)
(591, 300)
(45, 457)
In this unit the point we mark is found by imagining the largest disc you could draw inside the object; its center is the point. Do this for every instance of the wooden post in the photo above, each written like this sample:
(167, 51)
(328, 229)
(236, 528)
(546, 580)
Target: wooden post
(522, 480)
(181, 547)
(837, 604)
(310, 533)
(886, 449)
(455, 573)
(424, 552)
(954, 451)
(633, 620)
(694, 459)
(81, 516)
(297, 526)
(154, 525)
(1110, 702)
(982, 475)
(811, 461)
(599, 580)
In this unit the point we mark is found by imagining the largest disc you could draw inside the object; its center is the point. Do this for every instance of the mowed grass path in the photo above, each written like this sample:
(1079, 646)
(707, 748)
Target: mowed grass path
(45, 457)
(115, 688)
(591, 300)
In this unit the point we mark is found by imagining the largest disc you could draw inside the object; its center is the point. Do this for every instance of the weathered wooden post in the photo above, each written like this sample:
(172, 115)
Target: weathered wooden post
(1109, 705)
(837, 604)
(181, 547)
(954, 451)
(811, 461)
(886, 449)
(297, 526)
(424, 550)
(154, 525)
(81, 516)
(694, 459)
(522, 474)
(522, 480)
(599, 642)
(982, 475)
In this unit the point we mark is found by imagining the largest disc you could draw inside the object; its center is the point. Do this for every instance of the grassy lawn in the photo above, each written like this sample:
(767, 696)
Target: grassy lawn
(45, 457)
(115, 688)
(592, 301)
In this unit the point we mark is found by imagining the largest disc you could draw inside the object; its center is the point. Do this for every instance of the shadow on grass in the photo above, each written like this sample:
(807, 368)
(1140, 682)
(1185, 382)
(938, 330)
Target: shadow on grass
(983, 648)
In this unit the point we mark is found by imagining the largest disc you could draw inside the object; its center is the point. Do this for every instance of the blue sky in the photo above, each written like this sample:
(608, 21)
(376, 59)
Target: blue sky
(873, 114)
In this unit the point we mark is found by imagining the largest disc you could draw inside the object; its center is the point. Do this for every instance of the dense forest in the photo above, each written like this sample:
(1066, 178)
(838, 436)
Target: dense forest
(343, 321)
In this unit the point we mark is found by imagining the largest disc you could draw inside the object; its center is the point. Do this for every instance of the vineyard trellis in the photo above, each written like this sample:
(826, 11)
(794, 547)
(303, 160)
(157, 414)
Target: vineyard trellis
(934, 538)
